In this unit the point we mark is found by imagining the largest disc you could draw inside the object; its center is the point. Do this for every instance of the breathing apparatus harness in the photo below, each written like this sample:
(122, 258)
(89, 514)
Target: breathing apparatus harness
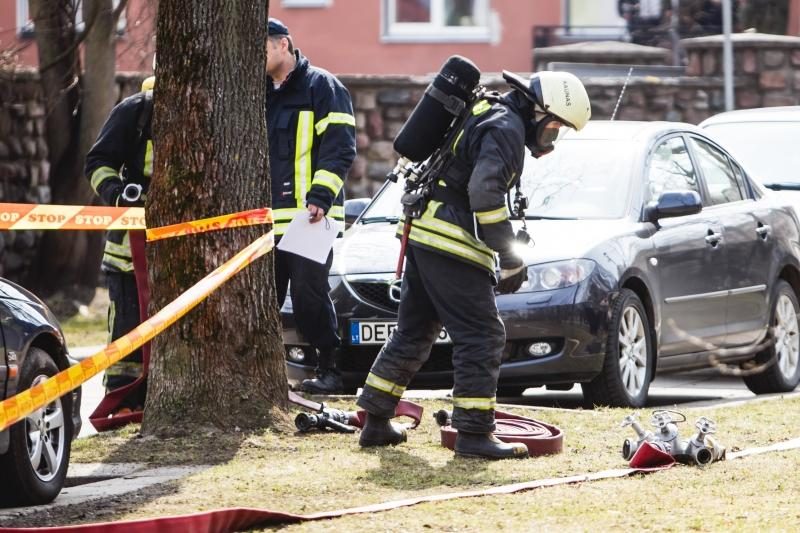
(420, 173)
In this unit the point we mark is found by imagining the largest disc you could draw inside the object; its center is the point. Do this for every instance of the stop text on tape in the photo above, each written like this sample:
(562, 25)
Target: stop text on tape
(69, 217)
(76, 217)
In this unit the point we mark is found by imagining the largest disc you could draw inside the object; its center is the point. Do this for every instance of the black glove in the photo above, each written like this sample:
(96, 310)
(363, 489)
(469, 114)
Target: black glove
(512, 273)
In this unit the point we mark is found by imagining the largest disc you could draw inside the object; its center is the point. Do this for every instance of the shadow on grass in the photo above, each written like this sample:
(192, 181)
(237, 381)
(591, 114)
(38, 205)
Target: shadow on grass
(403, 471)
(127, 446)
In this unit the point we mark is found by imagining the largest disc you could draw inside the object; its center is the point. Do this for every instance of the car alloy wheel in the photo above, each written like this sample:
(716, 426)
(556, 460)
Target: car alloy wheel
(632, 351)
(780, 362)
(624, 380)
(34, 467)
(787, 341)
(46, 437)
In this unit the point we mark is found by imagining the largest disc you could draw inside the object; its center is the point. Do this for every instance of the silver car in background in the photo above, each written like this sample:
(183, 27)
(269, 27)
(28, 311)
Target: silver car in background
(765, 141)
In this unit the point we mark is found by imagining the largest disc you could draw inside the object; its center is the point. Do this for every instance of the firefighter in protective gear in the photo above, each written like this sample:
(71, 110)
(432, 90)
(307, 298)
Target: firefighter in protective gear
(311, 131)
(119, 166)
(450, 274)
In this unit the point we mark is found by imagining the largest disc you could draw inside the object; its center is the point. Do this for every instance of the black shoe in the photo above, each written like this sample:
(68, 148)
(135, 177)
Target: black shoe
(487, 446)
(378, 431)
(328, 382)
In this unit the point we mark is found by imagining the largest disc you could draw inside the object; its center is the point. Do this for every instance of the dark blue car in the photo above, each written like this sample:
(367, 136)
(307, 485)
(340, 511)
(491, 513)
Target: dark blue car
(34, 452)
(652, 251)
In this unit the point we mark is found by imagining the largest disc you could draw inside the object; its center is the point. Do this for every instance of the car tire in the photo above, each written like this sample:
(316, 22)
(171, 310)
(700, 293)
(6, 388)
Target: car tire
(782, 373)
(624, 380)
(510, 391)
(35, 466)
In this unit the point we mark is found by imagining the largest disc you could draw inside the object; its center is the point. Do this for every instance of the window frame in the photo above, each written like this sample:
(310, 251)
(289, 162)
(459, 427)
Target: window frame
(731, 163)
(27, 29)
(701, 188)
(436, 31)
(292, 4)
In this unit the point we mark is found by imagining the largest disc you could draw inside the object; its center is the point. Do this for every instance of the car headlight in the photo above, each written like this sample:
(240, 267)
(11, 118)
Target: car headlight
(549, 276)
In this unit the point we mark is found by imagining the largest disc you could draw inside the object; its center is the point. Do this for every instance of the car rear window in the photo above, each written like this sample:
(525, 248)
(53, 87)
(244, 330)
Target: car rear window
(767, 149)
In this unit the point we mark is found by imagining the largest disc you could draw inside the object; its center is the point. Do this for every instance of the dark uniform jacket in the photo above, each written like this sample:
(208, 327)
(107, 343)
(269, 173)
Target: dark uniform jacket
(312, 144)
(467, 217)
(122, 154)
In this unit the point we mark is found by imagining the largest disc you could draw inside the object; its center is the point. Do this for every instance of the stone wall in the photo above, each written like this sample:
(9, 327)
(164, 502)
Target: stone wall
(24, 168)
(767, 73)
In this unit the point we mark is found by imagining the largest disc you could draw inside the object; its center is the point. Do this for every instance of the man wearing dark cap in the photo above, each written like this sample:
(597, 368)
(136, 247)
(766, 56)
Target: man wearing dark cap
(312, 144)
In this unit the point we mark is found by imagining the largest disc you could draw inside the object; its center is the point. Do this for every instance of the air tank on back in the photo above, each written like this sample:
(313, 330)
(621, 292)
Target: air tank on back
(444, 99)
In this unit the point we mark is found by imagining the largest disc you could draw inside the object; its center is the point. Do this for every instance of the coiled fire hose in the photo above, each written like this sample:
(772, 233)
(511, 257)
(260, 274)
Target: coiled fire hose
(540, 438)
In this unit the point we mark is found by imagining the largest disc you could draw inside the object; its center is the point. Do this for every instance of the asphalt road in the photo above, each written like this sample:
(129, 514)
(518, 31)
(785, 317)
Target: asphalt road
(696, 388)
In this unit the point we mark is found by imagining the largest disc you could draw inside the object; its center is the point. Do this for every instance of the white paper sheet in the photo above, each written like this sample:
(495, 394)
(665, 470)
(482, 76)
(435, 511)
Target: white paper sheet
(313, 241)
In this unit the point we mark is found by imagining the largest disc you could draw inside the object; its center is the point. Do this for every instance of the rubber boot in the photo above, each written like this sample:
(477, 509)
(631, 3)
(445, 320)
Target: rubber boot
(328, 381)
(487, 446)
(379, 431)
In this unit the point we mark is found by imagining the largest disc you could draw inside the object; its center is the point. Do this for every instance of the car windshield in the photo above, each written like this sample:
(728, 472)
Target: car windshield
(767, 149)
(579, 179)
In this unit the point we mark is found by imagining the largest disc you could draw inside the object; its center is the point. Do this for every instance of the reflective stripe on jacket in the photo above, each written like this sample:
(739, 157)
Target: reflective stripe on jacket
(468, 218)
(312, 144)
(121, 154)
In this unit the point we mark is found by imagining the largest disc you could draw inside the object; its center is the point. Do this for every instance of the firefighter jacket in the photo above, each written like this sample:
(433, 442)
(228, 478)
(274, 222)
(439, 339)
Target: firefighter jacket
(312, 144)
(467, 216)
(122, 154)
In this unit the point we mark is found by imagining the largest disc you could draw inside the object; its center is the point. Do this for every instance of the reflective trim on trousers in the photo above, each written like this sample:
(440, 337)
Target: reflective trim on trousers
(125, 368)
(384, 385)
(482, 404)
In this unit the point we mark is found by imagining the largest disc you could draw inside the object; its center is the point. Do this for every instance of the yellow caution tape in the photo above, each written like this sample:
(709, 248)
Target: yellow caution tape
(235, 220)
(33, 216)
(80, 217)
(17, 407)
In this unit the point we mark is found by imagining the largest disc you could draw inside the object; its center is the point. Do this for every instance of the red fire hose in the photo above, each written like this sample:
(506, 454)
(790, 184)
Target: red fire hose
(539, 437)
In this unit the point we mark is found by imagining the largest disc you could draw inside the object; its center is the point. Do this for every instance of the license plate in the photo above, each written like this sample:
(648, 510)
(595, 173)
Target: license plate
(379, 332)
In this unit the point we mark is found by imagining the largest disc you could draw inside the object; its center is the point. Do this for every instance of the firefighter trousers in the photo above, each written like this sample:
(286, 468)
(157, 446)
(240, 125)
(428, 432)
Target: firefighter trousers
(440, 291)
(314, 314)
(123, 316)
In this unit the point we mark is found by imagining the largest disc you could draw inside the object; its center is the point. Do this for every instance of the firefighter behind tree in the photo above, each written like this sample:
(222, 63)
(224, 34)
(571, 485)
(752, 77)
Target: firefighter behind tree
(119, 166)
(312, 143)
(450, 277)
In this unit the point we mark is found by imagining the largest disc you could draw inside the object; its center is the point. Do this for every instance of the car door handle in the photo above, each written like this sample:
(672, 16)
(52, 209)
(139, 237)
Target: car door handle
(713, 238)
(763, 230)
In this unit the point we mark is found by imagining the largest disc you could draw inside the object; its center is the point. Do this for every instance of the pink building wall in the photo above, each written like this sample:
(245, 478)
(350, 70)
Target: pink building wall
(794, 17)
(134, 48)
(345, 38)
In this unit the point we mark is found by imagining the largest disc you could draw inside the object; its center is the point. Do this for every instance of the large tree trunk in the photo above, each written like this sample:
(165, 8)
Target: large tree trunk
(71, 259)
(223, 364)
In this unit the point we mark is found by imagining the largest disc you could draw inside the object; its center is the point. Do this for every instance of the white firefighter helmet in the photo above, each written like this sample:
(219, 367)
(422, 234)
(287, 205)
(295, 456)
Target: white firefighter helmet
(560, 94)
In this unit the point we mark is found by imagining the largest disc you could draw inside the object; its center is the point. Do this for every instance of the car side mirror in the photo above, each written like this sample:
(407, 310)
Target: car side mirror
(674, 204)
(353, 209)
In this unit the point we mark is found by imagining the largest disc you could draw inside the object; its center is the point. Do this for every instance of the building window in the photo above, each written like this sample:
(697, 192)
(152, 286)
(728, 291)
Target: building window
(25, 27)
(24, 22)
(306, 3)
(436, 20)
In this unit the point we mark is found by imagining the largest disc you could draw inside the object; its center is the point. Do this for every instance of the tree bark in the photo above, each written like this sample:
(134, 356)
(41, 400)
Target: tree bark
(223, 364)
(76, 109)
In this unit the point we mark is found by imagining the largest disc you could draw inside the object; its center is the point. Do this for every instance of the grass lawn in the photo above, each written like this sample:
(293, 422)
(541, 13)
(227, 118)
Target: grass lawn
(303, 474)
(89, 325)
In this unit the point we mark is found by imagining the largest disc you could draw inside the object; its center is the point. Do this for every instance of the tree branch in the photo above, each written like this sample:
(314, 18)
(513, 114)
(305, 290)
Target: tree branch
(75, 44)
